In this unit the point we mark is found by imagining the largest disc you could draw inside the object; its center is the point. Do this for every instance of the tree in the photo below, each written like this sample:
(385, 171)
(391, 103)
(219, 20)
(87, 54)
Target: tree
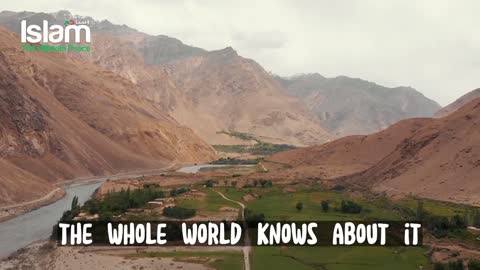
(210, 183)
(75, 203)
(299, 206)
(252, 217)
(179, 212)
(350, 207)
(420, 211)
(325, 206)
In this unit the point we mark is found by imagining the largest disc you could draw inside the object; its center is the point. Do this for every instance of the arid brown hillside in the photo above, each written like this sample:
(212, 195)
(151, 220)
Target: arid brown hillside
(210, 92)
(347, 155)
(433, 158)
(457, 104)
(225, 91)
(441, 160)
(62, 118)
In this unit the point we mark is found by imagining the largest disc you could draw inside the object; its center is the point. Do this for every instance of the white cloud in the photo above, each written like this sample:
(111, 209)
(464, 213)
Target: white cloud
(432, 45)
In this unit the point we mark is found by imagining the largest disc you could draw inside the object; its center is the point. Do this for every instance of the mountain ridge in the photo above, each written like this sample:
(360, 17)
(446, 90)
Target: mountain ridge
(347, 106)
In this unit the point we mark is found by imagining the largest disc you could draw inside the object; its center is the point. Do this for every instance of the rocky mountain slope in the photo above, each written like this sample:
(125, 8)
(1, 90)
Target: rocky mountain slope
(197, 86)
(433, 158)
(62, 118)
(210, 92)
(457, 104)
(348, 106)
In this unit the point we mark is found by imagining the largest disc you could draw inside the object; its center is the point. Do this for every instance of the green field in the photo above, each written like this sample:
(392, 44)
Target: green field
(276, 204)
(437, 208)
(338, 258)
(211, 203)
(279, 203)
(217, 260)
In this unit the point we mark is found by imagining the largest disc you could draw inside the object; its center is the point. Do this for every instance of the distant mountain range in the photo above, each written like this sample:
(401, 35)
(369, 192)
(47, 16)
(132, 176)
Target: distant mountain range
(222, 83)
(347, 106)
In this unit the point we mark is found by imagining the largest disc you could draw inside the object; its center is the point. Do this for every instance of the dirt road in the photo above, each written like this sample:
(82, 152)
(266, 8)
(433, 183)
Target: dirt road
(246, 249)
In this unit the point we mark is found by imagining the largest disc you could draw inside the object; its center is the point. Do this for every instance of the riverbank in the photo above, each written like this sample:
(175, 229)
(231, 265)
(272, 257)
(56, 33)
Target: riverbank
(12, 211)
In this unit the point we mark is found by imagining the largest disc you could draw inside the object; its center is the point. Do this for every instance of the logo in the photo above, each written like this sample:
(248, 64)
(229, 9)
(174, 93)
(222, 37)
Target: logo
(71, 32)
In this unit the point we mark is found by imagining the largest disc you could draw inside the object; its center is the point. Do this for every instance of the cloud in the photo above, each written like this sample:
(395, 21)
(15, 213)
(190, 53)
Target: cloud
(432, 45)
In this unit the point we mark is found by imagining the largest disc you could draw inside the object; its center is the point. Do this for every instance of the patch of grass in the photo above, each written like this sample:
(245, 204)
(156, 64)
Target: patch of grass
(211, 203)
(278, 205)
(235, 194)
(218, 260)
(235, 161)
(338, 258)
(437, 208)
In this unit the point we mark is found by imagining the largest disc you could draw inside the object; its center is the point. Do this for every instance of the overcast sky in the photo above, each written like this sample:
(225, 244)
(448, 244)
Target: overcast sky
(431, 45)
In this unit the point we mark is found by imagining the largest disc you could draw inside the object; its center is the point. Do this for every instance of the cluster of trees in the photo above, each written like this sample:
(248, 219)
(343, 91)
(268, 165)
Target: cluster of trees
(116, 203)
(236, 161)
(177, 191)
(260, 148)
(252, 217)
(442, 226)
(346, 207)
(350, 207)
(179, 212)
(262, 183)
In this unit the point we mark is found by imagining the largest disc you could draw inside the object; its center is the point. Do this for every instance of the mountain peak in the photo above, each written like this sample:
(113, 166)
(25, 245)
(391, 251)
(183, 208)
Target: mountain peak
(228, 51)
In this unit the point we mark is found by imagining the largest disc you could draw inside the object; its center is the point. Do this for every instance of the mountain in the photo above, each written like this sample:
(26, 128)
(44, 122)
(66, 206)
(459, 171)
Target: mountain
(347, 106)
(347, 155)
(225, 91)
(63, 118)
(209, 91)
(458, 103)
(432, 158)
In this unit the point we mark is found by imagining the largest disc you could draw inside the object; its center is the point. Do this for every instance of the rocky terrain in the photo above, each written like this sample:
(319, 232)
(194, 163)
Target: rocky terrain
(62, 118)
(209, 91)
(131, 101)
(215, 91)
(432, 158)
(349, 106)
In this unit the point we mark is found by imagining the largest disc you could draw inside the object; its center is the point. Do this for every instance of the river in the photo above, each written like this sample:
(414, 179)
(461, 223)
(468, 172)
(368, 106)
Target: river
(36, 225)
(23, 230)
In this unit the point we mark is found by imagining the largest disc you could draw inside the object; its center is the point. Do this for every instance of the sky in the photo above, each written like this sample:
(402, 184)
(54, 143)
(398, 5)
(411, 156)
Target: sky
(430, 45)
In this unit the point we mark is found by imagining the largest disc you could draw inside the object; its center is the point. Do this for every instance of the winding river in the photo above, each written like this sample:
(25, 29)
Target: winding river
(37, 225)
